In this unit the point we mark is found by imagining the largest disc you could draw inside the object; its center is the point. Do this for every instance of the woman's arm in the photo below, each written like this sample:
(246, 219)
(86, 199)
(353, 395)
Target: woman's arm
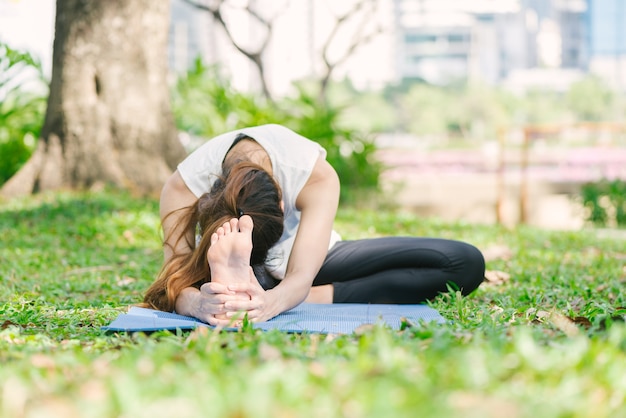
(174, 197)
(317, 201)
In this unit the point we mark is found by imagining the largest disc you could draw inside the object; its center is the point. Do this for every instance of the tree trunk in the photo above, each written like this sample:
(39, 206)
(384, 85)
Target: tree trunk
(108, 120)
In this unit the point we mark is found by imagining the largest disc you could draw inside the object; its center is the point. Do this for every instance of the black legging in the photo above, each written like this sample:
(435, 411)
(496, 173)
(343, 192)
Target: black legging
(396, 269)
(400, 269)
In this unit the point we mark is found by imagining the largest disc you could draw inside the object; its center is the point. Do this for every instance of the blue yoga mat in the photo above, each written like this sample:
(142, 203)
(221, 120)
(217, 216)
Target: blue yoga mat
(306, 318)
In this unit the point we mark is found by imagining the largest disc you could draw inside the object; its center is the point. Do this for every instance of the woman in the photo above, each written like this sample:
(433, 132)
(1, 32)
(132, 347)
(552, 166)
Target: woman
(261, 203)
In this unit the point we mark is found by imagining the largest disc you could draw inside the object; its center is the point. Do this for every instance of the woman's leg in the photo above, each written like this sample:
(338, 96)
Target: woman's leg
(400, 269)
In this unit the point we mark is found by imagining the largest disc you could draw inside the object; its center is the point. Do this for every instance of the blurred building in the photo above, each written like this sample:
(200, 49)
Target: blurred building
(606, 23)
(441, 41)
(299, 32)
(521, 44)
(190, 36)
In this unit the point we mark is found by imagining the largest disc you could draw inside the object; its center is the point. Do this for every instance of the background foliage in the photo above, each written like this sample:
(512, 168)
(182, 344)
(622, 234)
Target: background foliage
(205, 105)
(22, 107)
(459, 115)
(605, 202)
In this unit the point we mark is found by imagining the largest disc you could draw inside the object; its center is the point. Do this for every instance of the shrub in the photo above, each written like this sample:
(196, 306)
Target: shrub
(350, 152)
(605, 202)
(22, 107)
(205, 105)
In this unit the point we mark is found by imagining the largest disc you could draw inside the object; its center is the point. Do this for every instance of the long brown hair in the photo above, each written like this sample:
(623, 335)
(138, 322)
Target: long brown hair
(245, 188)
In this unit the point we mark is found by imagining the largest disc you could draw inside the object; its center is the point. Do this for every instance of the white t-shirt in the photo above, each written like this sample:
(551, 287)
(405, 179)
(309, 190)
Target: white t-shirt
(293, 158)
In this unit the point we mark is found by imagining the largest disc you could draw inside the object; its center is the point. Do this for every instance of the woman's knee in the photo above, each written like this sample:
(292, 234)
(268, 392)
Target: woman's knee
(473, 272)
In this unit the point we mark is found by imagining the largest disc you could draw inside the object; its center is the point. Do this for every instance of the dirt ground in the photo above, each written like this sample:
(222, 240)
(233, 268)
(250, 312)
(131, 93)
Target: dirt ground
(473, 198)
(463, 185)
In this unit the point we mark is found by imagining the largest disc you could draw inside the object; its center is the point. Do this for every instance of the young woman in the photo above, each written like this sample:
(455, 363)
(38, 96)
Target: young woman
(248, 226)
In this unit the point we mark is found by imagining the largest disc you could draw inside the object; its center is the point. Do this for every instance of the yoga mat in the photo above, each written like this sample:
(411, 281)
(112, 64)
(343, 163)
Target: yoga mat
(341, 318)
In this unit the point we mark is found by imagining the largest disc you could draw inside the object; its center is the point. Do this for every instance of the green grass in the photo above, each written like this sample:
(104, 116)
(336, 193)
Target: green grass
(549, 342)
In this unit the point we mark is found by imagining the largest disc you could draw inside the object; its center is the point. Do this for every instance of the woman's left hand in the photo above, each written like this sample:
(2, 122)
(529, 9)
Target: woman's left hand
(257, 307)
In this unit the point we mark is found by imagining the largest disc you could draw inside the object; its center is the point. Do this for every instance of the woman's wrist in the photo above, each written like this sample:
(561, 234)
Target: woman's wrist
(186, 302)
(273, 305)
(284, 297)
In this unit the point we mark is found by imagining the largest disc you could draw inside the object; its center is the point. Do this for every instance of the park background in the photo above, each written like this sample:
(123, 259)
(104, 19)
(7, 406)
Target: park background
(448, 92)
(494, 122)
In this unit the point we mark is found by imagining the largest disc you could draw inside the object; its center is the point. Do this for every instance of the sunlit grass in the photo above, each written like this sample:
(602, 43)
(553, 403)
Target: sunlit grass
(548, 342)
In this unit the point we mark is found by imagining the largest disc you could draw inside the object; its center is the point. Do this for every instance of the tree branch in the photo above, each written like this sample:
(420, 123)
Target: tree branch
(256, 57)
(357, 40)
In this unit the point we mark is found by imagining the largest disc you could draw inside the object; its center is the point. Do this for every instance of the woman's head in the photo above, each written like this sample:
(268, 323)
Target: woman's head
(243, 188)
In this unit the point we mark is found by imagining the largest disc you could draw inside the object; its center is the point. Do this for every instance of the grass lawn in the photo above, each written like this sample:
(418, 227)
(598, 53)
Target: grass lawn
(548, 342)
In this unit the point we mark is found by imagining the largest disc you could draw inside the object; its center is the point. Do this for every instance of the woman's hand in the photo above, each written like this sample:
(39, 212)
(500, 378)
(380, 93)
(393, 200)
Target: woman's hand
(258, 307)
(211, 300)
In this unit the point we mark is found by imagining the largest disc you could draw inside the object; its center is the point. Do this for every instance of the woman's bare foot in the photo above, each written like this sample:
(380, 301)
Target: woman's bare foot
(320, 294)
(229, 253)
